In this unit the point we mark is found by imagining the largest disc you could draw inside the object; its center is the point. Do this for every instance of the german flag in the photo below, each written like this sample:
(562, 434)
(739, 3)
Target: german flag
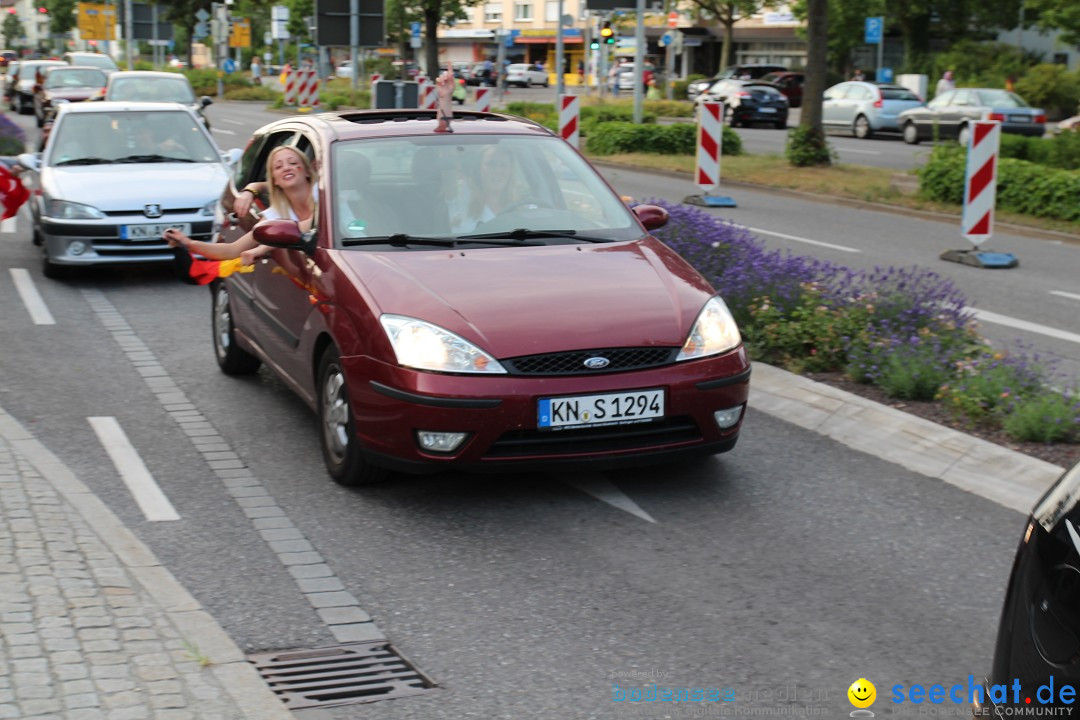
(198, 271)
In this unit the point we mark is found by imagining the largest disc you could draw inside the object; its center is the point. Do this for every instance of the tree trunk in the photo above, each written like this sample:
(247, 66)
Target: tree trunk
(817, 49)
(728, 23)
(431, 41)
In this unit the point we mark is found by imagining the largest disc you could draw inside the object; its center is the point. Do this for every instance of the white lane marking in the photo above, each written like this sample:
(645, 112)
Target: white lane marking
(151, 500)
(35, 304)
(990, 317)
(232, 122)
(1073, 534)
(9, 225)
(808, 241)
(861, 152)
(602, 489)
(222, 132)
(1061, 293)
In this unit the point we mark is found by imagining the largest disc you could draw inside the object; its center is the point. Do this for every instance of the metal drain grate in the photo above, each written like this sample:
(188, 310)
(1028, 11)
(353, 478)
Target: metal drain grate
(339, 675)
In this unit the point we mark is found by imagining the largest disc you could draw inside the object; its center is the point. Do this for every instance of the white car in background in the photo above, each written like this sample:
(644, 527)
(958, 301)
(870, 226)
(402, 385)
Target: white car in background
(114, 176)
(526, 75)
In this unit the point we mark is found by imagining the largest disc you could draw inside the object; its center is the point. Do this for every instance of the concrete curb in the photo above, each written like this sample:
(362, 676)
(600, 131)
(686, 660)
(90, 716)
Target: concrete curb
(239, 677)
(1007, 477)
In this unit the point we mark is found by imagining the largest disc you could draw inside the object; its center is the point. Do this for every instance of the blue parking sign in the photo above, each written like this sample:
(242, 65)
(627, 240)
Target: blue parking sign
(885, 75)
(874, 28)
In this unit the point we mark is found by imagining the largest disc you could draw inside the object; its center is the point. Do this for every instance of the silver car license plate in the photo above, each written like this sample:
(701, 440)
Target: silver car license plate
(593, 410)
(152, 230)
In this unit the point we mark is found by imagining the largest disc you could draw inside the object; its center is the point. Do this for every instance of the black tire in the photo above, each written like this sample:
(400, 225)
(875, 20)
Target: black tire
(861, 129)
(53, 271)
(22, 104)
(528, 82)
(781, 125)
(911, 133)
(963, 135)
(341, 450)
(231, 358)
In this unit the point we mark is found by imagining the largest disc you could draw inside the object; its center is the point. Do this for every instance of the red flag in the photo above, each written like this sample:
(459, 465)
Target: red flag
(12, 193)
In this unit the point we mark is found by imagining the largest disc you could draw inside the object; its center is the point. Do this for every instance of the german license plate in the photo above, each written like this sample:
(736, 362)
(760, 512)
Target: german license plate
(1020, 118)
(154, 230)
(594, 410)
(767, 110)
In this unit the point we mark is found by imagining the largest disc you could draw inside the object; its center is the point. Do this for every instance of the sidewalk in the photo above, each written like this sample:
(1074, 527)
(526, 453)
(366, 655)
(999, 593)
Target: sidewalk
(92, 626)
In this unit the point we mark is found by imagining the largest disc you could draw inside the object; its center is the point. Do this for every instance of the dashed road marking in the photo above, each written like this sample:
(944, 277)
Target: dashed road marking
(35, 304)
(602, 489)
(231, 121)
(1062, 293)
(991, 317)
(222, 132)
(860, 152)
(808, 241)
(133, 471)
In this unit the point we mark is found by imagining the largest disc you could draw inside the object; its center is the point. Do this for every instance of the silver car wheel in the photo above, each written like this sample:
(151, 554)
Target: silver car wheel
(335, 414)
(963, 135)
(222, 322)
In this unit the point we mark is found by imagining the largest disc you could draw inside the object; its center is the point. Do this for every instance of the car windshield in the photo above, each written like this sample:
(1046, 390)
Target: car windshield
(445, 188)
(98, 61)
(75, 78)
(147, 89)
(1000, 99)
(98, 138)
(27, 71)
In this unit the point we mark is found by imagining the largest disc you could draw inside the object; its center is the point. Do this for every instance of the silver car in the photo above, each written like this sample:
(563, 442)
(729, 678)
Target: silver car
(950, 115)
(152, 86)
(866, 108)
(526, 75)
(114, 176)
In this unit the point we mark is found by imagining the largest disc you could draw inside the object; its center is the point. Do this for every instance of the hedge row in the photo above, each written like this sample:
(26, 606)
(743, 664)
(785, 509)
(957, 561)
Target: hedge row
(611, 138)
(591, 115)
(1061, 151)
(1022, 186)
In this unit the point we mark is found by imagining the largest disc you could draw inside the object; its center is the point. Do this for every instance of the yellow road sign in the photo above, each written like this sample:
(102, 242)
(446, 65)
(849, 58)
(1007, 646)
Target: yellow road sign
(241, 34)
(96, 21)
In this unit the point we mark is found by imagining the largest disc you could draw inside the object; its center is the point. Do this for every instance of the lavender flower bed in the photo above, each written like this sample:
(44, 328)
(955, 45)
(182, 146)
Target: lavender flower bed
(906, 330)
(12, 138)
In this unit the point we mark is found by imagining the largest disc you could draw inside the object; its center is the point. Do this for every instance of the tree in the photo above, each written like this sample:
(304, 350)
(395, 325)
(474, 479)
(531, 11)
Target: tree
(847, 24)
(12, 29)
(806, 144)
(433, 13)
(61, 16)
(726, 13)
(298, 11)
(1063, 15)
(182, 13)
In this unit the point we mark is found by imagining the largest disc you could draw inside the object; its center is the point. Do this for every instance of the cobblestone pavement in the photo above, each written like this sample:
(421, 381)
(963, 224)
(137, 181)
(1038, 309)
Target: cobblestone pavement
(85, 634)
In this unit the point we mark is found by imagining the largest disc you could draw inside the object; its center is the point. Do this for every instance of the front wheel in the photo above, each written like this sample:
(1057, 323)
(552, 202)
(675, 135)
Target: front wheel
(231, 358)
(911, 134)
(344, 459)
(963, 135)
(862, 129)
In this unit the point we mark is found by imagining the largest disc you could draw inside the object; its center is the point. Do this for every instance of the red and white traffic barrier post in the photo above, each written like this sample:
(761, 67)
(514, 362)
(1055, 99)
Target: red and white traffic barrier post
(569, 115)
(483, 99)
(427, 96)
(302, 88)
(710, 140)
(980, 198)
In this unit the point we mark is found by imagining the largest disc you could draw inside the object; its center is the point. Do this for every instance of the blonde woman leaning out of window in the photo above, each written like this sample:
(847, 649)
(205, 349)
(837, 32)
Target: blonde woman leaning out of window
(292, 195)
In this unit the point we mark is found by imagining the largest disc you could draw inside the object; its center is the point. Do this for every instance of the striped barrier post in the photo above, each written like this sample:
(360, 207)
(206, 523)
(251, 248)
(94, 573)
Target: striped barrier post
(710, 140)
(483, 99)
(427, 96)
(290, 88)
(980, 198)
(307, 91)
(375, 77)
(569, 112)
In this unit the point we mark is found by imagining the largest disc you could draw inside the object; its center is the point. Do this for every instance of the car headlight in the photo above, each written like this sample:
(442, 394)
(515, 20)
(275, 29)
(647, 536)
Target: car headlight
(714, 332)
(210, 207)
(421, 345)
(64, 210)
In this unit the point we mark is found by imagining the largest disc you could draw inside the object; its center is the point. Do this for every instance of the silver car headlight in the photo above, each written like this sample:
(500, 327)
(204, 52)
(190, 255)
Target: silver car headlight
(421, 345)
(64, 210)
(210, 207)
(714, 332)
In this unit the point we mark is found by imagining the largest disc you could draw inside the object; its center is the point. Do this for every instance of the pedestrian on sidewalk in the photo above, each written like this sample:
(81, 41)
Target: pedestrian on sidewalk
(256, 71)
(945, 84)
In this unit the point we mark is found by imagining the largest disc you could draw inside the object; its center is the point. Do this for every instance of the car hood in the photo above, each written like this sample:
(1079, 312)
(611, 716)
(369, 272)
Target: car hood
(521, 301)
(114, 188)
(74, 94)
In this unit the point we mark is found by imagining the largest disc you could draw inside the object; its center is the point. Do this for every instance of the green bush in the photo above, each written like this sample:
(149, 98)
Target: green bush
(669, 108)
(806, 147)
(681, 86)
(1047, 417)
(542, 113)
(252, 93)
(332, 99)
(204, 80)
(979, 64)
(1052, 88)
(611, 138)
(1060, 151)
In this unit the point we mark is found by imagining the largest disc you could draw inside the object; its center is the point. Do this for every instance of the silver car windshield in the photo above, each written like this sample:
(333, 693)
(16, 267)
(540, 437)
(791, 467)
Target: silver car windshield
(449, 186)
(98, 138)
(151, 90)
(74, 78)
(999, 98)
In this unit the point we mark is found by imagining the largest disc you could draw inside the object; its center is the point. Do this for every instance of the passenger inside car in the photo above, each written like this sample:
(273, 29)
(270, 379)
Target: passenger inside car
(360, 212)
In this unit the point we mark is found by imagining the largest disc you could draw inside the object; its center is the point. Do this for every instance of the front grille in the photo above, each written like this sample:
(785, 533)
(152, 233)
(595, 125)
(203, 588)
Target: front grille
(137, 215)
(573, 362)
(532, 443)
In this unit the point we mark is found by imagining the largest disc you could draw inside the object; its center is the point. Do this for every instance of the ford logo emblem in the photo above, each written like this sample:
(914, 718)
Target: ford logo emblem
(595, 363)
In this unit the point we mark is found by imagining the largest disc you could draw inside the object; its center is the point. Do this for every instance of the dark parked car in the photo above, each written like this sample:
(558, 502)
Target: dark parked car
(1038, 641)
(789, 83)
(548, 329)
(25, 81)
(61, 84)
(7, 56)
(950, 115)
(733, 72)
(747, 102)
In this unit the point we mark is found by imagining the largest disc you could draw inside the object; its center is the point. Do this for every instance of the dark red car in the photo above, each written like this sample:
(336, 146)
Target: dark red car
(429, 329)
(788, 83)
(65, 83)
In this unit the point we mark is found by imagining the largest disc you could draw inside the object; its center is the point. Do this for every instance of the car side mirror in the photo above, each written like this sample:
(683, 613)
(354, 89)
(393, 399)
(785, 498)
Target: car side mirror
(205, 100)
(30, 161)
(285, 234)
(232, 156)
(652, 217)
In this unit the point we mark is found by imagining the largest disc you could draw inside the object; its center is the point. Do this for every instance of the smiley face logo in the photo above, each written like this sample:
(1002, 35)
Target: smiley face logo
(862, 693)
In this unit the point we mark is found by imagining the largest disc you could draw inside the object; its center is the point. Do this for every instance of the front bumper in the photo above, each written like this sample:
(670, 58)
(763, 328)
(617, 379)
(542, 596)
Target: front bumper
(499, 413)
(98, 242)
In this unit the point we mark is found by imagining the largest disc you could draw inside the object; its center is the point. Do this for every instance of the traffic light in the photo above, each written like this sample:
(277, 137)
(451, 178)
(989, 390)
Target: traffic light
(594, 45)
(607, 33)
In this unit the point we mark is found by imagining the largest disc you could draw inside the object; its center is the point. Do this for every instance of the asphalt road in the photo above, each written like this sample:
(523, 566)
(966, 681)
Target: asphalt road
(791, 562)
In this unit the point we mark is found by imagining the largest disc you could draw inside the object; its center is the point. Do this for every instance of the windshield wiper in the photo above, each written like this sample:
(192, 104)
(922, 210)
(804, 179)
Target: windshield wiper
(86, 161)
(523, 233)
(403, 239)
(151, 159)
